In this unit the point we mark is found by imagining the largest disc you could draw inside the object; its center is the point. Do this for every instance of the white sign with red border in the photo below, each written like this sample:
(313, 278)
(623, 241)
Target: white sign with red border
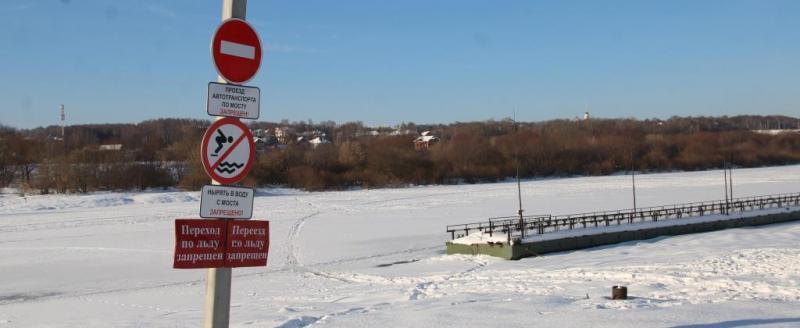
(236, 50)
(227, 151)
(233, 100)
(225, 202)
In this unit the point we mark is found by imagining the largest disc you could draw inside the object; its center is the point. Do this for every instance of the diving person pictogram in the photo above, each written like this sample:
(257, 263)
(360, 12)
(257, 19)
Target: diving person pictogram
(221, 139)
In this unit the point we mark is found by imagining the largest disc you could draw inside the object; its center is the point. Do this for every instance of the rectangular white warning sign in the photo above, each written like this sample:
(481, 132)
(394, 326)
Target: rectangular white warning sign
(233, 100)
(225, 202)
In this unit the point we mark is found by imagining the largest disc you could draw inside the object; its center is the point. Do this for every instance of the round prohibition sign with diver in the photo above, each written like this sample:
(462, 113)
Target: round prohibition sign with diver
(227, 151)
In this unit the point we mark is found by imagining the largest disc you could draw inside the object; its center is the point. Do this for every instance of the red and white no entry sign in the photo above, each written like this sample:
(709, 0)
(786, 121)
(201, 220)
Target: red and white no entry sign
(227, 151)
(236, 51)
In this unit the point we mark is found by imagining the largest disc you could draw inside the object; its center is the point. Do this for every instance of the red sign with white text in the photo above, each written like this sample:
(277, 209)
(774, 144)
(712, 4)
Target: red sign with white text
(248, 243)
(199, 243)
(220, 243)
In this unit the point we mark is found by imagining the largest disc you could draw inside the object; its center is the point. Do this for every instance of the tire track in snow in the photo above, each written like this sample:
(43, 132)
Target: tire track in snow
(97, 221)
(305, 321)
(427, 196)
(293, 262)
(86, 249)
(292, 243)
(350, 277)
(418, 292)
(292, 246)
(418, 283)
(293, 251)
(379, 255)
(132, 305)
(42, 297)
(56, 296)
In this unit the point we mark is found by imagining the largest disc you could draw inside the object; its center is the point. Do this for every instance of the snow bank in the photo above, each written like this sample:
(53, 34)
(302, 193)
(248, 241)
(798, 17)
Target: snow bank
(479, 237)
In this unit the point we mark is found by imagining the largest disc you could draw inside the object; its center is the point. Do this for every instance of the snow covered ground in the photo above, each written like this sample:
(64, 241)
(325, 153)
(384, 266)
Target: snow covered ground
(374, 258)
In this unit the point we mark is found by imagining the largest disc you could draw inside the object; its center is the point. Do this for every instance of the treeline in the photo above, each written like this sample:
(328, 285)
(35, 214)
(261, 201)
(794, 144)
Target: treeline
(154, 154)
(165, 153)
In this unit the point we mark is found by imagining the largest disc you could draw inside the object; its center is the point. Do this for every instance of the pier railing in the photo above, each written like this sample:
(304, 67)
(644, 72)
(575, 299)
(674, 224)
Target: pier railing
(518, 227)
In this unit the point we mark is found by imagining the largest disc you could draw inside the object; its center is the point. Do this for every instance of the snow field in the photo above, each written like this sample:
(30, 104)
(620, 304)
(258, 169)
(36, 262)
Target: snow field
(371, 258)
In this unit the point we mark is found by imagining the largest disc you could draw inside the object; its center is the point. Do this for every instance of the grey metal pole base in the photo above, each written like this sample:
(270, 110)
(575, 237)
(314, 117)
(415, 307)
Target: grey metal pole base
(218, 298)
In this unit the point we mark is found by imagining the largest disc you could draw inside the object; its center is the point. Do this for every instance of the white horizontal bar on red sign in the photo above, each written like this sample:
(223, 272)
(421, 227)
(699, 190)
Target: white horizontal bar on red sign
(237, 49)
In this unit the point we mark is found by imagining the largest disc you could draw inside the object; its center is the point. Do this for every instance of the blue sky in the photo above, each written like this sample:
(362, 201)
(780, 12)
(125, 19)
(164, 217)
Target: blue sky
(387, 62)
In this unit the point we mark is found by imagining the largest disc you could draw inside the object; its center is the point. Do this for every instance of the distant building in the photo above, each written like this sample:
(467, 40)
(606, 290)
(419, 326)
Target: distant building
(265, 143)
(283, 134)
(368, 133)
(263, 133)
(777, 131)
(318, 141)
(111, 147)
(425, 141)
(399, 132)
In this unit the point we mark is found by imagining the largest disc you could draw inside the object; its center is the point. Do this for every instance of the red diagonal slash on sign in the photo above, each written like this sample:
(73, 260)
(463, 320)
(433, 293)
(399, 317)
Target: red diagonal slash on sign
(228, 152)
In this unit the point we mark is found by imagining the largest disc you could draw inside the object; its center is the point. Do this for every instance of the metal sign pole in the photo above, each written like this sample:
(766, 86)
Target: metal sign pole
(218, 285)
